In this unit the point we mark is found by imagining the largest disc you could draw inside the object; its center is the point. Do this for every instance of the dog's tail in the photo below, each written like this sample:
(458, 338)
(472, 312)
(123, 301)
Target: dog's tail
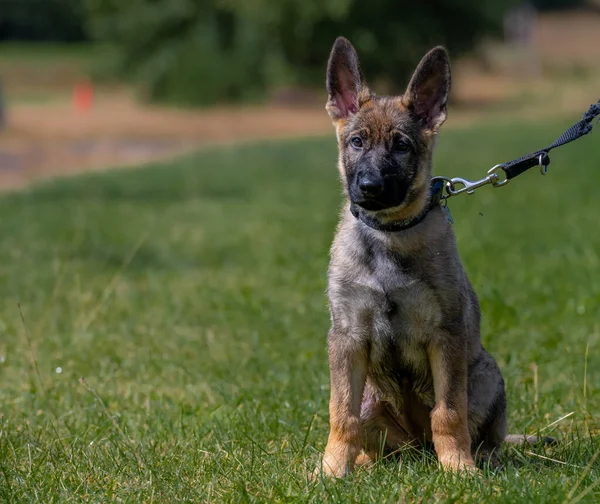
(523, 439)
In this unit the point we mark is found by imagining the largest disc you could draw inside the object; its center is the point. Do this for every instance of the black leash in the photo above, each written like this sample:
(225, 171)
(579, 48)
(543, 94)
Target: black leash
(517, 166)
(583, 127)
(511, 170)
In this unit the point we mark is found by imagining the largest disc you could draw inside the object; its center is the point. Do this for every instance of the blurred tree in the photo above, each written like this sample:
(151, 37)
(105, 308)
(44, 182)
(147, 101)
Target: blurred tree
(204, 51)
(42, 20)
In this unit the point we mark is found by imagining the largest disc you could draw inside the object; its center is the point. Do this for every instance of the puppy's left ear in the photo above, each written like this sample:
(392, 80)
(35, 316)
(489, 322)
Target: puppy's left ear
(429, 88)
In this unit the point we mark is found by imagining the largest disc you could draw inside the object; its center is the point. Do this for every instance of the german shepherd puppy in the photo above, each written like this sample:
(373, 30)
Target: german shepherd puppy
(406, 361)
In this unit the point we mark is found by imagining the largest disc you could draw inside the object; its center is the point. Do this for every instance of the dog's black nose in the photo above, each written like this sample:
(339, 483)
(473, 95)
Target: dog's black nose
(370, 186)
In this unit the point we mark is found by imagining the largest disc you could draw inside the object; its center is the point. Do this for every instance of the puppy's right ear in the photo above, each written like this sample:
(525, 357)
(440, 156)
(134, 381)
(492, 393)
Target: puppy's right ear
(345, 83)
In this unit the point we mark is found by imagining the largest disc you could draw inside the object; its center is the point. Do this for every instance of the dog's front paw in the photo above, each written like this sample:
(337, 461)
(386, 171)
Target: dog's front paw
(458, 463)
(331, 467)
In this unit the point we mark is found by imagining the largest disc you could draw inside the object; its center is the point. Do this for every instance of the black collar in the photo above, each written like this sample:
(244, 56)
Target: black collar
(437, 187)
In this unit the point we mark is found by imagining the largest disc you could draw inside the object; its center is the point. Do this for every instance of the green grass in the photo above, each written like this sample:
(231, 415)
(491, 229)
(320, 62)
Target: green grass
(191, 297)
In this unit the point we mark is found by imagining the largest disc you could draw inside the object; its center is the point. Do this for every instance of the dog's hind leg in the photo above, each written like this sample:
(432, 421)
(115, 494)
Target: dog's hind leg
(487, 408)
(487, 412)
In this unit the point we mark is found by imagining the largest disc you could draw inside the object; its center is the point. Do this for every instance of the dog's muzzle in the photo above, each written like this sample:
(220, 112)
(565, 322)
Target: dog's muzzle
(373, 192)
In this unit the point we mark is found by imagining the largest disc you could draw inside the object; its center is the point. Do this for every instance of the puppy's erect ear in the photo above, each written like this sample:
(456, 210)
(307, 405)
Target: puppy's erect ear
(345, 83)
(429, 87)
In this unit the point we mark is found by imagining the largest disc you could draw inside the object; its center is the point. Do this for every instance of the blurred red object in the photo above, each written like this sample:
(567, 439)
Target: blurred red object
(83, 96)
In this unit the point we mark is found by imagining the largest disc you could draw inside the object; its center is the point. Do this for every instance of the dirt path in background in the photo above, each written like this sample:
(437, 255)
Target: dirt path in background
(49, 140)
(45, 140)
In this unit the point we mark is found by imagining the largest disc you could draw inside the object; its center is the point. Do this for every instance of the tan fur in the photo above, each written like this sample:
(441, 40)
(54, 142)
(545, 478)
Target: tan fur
(345, 436)
(449, 424)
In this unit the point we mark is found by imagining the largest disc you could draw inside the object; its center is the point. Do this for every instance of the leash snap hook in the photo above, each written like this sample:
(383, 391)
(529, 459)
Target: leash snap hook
(469, 186)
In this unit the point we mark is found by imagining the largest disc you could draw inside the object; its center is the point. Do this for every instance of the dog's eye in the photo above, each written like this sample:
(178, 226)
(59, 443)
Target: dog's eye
(401, 145)
(356, 142)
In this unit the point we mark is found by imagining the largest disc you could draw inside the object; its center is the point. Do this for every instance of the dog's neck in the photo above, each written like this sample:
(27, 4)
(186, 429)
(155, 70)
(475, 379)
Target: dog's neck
(371, 221)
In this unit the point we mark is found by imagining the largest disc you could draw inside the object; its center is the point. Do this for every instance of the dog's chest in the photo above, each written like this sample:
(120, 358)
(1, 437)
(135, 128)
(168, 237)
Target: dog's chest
(393, 304)
(405, 312)
(403, 301)
(394, 307)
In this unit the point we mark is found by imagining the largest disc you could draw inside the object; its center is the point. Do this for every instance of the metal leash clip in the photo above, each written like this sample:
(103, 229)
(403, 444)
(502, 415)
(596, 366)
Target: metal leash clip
(469, 186)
